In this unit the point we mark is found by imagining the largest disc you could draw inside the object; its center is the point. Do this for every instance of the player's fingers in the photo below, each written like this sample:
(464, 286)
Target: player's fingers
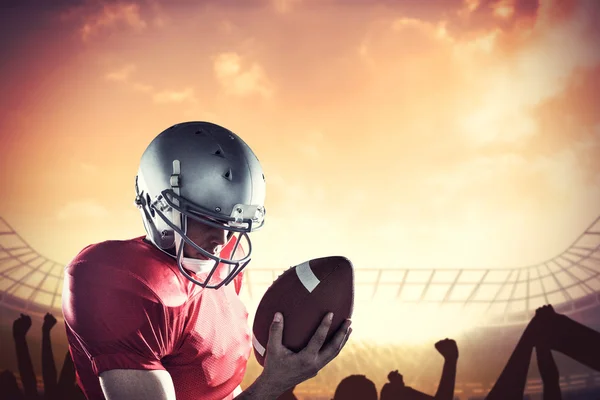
(345, 340)
(275, 332)
(340, 347)
(318, 338)
(337, 342)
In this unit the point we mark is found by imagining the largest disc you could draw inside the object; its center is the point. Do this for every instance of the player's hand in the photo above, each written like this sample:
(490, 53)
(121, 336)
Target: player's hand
(21, 325)
(285, 368)
(447, 349)
(49, 322)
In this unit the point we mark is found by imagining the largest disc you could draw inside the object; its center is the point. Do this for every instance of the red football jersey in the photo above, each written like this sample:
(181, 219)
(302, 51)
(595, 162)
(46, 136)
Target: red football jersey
(127, 306)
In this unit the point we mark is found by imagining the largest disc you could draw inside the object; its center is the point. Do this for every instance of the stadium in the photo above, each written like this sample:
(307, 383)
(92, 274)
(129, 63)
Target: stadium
(486, 308)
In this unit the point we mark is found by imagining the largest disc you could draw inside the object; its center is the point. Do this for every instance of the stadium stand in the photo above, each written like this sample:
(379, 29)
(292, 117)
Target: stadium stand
(498, 302)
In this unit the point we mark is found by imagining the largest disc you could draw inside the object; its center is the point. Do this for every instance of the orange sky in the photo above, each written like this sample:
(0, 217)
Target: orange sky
(396, 133)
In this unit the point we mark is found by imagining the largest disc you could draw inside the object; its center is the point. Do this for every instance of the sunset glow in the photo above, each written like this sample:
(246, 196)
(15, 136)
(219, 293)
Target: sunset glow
(461, 134)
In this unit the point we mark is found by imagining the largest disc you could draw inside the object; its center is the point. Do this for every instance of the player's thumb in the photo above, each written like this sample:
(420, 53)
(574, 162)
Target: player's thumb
(276, 330)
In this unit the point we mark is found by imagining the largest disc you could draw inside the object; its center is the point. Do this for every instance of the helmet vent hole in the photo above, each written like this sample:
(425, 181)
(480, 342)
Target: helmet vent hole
(200, 132)
(219, 153)
(228, 175)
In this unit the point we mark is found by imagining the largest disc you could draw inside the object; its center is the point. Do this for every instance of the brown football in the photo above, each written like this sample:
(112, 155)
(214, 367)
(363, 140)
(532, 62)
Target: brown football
(304, 294)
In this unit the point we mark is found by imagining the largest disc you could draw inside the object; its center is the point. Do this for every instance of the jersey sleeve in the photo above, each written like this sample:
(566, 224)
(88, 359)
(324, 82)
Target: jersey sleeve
(117, 320)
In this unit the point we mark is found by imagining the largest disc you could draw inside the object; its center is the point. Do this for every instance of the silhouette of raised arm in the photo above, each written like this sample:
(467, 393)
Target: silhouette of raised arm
(551, 331)
(20, 327)
(449, 351)
(549, 373)
(48, 365)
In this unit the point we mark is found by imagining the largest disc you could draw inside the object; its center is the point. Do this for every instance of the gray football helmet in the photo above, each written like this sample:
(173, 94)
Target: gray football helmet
(202, 171)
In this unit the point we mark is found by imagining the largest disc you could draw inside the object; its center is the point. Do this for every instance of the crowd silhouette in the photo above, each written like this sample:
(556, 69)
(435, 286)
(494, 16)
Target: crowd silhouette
(63, 387)
(546, 331)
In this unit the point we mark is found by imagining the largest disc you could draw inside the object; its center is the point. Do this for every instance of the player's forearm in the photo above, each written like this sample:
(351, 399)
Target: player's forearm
(261, 389)
(446, 387)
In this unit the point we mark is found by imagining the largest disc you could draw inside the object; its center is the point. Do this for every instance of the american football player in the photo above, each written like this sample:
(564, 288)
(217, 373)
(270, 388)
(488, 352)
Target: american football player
(158, 317)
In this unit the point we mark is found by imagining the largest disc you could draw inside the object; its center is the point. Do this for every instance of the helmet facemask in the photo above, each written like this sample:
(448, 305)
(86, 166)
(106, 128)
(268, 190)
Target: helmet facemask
(244, 219)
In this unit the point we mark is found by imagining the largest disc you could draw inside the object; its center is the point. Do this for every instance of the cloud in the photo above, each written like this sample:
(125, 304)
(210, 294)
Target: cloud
(513, 178)
(467, 129)
(125, 75)
(511, 9)
(507, 92)
(475, 179)
(563, 171)
(122, 74)
(469, 6)
(140, 87)
(95, 17)
(226, 27)
(111, 15)
(173, 96)
(437, 30)
(284, 6)
(397, 49)
(430, 101)
(501, 117)
(160, 18)
(82, 209)
(238, 80)
(471, 205)
(577, 104)
(479, 16)
(503, 9)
